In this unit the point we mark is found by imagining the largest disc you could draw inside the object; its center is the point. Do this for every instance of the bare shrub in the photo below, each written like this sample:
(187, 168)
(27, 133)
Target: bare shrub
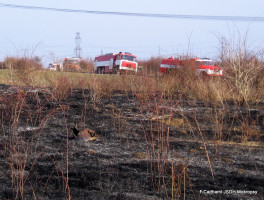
(24, 68)
(185, 76)
(242, 68)
(3, 65)
(87, 65)
(150, 66)
(62, 86)
(105, 85)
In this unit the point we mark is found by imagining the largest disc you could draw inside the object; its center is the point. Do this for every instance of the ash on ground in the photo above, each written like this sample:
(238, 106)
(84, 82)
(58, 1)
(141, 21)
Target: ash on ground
(159, 148)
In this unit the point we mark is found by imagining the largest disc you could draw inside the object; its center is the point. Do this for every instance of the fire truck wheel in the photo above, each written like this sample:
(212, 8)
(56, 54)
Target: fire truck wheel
(103, 70)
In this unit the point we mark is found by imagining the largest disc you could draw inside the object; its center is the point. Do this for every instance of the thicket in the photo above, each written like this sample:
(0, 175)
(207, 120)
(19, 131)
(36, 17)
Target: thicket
(87, 65)
(150, 66)
(22, 68)
(22, 63)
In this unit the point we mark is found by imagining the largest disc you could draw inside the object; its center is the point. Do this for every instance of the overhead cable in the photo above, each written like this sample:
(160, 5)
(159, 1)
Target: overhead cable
(152, 15)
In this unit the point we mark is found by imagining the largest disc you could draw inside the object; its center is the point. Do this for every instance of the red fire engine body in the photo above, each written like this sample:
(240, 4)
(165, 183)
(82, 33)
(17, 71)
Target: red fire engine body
(71, 64)
(203, 66)
(112, 63)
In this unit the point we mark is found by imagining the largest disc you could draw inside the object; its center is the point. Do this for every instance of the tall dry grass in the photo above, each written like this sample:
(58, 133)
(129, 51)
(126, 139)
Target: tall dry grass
(23, 68)
(241, 87)
(150, 67)
(22, 120)
(153, 106)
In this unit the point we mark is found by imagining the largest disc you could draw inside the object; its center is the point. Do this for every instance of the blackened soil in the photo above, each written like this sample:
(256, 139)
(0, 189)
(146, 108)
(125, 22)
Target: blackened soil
(146, 149)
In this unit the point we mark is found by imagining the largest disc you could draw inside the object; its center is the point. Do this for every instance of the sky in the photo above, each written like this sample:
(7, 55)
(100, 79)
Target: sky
(50, 35)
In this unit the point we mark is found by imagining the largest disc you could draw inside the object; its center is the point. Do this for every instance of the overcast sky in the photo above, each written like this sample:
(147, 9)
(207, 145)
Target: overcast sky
(51, 34)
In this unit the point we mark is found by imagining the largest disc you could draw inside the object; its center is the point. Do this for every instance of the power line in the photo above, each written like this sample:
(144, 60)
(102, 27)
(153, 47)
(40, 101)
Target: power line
(153, 15)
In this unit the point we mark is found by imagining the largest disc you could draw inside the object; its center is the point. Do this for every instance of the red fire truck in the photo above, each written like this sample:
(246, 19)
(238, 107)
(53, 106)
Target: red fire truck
(113, 63)
(201, 66)
(71, 64)
(55, 67)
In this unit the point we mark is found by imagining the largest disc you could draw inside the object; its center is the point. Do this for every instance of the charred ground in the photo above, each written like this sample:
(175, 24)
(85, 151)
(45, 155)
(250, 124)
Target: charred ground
(153, 147)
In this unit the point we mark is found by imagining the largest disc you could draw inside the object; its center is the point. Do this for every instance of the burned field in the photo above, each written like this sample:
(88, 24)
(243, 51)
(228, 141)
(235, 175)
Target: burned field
(149, 146)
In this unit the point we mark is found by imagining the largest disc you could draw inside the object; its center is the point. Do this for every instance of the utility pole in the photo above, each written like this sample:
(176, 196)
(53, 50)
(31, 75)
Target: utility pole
(78, 48)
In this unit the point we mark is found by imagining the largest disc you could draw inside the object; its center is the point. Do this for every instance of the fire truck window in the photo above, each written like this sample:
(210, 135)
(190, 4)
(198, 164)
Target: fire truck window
(127, 57)
(206, 63)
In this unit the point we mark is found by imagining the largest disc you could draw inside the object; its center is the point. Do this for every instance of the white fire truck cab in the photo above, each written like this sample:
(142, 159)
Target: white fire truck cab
(55, 66)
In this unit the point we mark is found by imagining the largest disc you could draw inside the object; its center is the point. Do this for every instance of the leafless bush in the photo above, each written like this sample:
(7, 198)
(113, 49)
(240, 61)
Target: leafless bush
(23, 67)
(87, 65)
(24, 63)
(150, 66)
(242, 68)
(3, 65)
(104, 85)
(62, 86)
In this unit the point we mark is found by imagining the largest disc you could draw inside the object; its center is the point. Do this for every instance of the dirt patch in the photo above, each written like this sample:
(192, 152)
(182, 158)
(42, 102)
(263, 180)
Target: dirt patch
(155, 149)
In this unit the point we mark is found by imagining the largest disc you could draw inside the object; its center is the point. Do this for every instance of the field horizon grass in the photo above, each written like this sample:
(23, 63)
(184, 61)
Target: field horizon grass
(217, 89)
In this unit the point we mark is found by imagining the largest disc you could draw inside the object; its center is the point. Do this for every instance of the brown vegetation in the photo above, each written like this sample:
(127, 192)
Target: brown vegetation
(150, 66)
(87, 65)
(147, 116)
(23, 68)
